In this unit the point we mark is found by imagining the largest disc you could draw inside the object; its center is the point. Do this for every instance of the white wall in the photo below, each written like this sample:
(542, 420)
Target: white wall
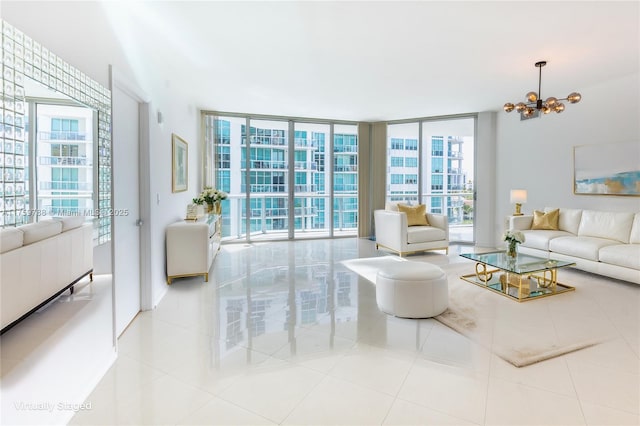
(537, 154)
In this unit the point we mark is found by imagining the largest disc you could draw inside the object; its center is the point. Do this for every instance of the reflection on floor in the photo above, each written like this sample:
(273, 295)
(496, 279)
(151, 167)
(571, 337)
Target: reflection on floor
(285, 334)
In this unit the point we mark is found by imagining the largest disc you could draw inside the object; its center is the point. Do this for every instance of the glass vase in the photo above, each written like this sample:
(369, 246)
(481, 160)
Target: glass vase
(512, 249)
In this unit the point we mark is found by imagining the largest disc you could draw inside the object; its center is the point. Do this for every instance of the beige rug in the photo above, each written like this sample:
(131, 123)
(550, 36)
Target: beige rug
(520, 333)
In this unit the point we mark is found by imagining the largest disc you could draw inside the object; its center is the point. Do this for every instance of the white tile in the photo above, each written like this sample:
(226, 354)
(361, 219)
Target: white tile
(272, 392)
(549, 375)
(454, 391)
(598, 415)
(613, 354)
(357, 367)
(407, 413)
(312, 341)
(215, 374)
(335, 402)
(606, 386)
(510, 404)
(163, 401)
(219, 412)
(447, 346)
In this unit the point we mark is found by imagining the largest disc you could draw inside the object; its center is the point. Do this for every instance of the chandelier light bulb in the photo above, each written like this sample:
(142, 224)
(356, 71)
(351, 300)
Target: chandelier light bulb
(574, 97)
(534, 100)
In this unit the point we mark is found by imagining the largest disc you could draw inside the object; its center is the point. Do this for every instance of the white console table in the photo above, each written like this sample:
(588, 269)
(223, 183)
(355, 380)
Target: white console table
(191, 246)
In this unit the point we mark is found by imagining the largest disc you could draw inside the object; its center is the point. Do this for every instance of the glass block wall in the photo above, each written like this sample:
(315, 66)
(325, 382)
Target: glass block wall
(22, 58)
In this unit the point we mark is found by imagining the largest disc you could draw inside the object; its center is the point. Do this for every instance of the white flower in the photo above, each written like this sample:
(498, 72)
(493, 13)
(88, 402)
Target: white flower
(212, 195)
(513, 236)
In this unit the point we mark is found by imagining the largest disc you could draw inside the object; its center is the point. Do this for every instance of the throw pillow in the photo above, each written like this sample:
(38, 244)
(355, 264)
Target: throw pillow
(416, 215)
(548, 220)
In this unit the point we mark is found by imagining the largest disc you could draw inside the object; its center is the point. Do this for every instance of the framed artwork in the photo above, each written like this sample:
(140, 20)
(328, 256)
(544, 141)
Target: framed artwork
(607, 169)
(179, 164)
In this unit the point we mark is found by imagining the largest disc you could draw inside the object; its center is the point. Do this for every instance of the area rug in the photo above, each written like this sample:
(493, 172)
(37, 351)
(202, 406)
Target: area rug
(519, 333)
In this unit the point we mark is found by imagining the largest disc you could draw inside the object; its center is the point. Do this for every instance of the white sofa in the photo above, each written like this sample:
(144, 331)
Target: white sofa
(39, 261)
(393, 232)
(605, 243)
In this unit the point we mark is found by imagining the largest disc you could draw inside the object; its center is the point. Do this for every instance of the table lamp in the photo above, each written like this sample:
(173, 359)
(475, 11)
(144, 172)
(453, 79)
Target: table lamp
(518, 196)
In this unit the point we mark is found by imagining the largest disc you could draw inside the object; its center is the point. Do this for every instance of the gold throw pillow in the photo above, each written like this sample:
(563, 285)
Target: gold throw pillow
(416, 215)
(548, 220)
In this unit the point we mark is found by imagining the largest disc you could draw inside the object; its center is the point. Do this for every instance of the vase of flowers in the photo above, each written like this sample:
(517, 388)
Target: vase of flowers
(212, 197)
(513, 238)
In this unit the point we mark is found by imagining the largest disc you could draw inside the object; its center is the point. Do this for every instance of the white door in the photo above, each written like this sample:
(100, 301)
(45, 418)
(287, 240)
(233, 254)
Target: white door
(126, 208)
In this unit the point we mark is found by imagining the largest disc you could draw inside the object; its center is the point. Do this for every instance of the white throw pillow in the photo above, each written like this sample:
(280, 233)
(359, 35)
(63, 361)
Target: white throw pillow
(569, 219)
(391, 206)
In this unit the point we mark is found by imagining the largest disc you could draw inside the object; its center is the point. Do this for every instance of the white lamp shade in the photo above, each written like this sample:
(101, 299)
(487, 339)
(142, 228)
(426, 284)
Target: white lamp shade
(518, 195)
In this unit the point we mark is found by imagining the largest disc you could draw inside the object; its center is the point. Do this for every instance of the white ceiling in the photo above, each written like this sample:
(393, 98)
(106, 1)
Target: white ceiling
(367, 60)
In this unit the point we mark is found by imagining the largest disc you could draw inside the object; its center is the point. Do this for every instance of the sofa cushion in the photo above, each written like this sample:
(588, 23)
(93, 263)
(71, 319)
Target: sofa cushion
(614, 226)
(10, 239)
(423, 234)
(416, 215)
(539, 239)
(391, 206)
(40, 230)
(568, 220)
(634, 238)
(548, 220)
(583, 247)
(627, 255)
(70, 222)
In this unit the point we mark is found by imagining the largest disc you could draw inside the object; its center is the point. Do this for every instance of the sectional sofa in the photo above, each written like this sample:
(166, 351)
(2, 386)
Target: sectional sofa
(605, 243)
(39, 261)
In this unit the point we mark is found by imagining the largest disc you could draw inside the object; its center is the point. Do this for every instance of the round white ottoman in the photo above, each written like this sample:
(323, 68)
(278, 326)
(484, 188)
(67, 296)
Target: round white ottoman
(412, 290)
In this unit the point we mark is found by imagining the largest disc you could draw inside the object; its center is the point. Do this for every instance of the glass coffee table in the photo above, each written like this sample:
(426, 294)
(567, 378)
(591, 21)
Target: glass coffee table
(522, 278)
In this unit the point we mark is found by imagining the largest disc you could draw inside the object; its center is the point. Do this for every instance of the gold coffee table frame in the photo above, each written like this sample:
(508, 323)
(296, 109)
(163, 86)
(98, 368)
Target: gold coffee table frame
(522, 278)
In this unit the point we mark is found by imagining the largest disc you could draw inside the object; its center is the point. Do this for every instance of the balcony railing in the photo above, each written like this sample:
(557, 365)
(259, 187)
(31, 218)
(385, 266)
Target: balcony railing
(345, 149)
(312, 215)
(64, 186)
(62, 136)
(346, 168)
(64, 161)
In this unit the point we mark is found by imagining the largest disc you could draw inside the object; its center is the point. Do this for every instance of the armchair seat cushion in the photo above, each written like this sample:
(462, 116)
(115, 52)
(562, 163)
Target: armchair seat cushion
(420, 234)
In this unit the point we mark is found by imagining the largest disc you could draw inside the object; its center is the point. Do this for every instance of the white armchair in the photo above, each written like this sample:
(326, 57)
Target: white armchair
(393, 232)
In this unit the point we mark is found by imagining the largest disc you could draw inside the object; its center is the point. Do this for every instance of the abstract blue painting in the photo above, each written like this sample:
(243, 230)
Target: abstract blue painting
(607, 169)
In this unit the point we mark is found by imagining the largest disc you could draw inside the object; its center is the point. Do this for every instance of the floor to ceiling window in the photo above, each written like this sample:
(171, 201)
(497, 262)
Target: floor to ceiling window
(285, 178)
(431, 162)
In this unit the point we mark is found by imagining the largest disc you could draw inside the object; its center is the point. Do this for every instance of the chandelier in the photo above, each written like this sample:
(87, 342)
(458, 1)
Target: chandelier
(535, 103)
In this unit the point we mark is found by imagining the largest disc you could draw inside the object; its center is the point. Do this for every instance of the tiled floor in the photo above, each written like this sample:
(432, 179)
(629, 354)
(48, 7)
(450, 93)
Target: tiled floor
(285, 334)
